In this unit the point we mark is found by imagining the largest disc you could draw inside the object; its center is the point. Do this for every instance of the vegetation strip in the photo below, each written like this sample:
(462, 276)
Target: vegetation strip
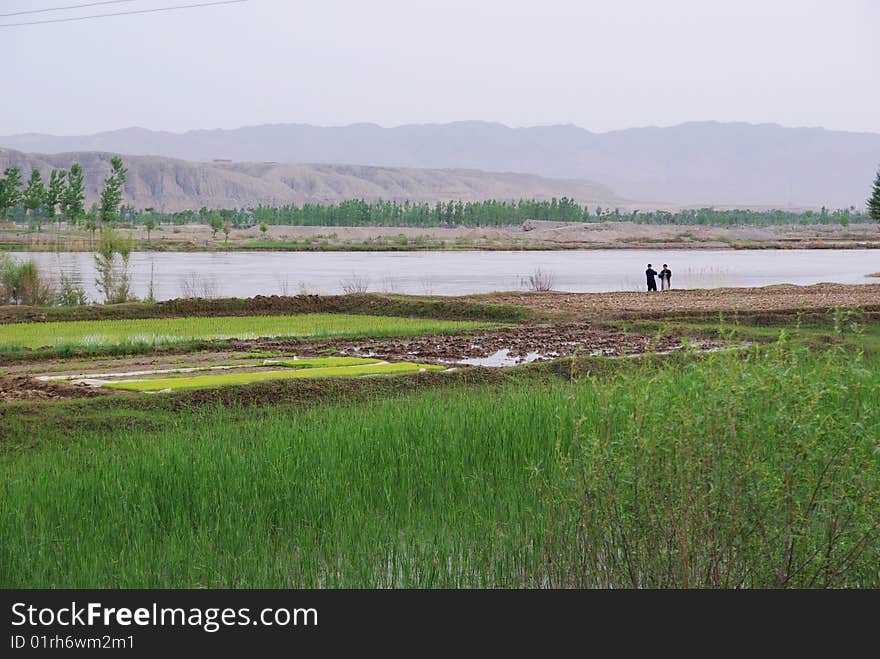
(275, 305)
(171, 330)
(323, 362)
(158, 371)
(226, 379)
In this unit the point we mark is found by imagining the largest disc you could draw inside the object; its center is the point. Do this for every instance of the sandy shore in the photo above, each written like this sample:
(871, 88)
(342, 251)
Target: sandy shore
(532, 235)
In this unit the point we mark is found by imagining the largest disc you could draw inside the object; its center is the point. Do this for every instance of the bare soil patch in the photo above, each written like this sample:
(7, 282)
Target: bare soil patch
(788, 298)
(549, 341)
(22, 387)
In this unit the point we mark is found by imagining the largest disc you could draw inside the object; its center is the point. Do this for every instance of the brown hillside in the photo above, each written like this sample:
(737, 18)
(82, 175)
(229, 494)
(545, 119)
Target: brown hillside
(168, 184)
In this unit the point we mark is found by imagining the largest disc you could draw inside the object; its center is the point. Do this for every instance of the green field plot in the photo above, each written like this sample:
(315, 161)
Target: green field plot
(323, 362)
(156, 331)
(226, 379)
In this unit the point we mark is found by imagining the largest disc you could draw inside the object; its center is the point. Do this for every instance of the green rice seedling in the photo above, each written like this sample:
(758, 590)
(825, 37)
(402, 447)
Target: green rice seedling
(261, 354)
(156, 331)
(324, 362)
(226, 379)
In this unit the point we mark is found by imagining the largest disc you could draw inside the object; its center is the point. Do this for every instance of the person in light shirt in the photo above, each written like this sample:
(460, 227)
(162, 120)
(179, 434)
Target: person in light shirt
(665, 278)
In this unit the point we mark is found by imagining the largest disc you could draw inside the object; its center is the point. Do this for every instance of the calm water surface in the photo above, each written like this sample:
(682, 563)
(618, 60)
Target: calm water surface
(241, 274)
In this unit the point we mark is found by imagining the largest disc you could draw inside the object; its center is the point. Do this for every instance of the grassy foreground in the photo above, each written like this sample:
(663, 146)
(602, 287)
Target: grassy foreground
(163, 331)
(757, 469)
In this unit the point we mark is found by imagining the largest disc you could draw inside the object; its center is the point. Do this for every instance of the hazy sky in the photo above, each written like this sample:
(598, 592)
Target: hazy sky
(600, 65)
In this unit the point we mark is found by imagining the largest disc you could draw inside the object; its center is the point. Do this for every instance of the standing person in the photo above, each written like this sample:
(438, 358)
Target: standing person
(665, 278)
(650, 273)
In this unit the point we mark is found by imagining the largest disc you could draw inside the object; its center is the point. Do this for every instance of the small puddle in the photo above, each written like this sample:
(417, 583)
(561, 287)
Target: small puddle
(358, 352)
(503, 358)
(88, 378)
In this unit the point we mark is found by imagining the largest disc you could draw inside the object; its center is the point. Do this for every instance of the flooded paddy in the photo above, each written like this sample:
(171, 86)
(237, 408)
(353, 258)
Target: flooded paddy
(161, 380)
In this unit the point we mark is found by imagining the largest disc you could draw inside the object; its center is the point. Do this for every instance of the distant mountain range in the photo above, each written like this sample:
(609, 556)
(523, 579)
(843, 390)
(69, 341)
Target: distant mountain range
(168, 184)
(724, 164)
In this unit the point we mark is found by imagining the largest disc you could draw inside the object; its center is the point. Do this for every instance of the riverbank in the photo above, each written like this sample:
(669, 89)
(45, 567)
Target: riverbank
(528, 236)
(498, 307)
(784, 298)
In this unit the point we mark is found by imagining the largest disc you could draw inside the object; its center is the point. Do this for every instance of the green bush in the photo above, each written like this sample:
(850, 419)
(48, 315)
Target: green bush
(22, 283)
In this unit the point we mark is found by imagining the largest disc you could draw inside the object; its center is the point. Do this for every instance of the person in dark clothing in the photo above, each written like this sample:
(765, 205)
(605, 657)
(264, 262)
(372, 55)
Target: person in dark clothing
(665, 278)
(650, 273)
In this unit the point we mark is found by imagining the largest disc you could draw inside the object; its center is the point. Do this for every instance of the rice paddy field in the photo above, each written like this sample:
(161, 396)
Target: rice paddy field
(376, 368)
(754, 462)
(158, 331)
(737, 470)
(164, 380)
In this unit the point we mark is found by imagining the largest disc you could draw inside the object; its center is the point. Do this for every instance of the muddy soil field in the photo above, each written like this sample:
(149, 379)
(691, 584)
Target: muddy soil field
(543, 341)
(787, 298)
(22, 387)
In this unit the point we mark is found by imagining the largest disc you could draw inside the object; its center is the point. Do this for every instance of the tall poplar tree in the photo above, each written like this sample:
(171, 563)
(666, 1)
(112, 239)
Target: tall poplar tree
(10, 194)
(874, 201)
(111, 195)
(55, 192)
(34, 196)
(74, 195)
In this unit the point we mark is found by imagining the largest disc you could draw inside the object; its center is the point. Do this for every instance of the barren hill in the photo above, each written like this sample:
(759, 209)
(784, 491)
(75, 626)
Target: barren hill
(168, 184)
(706, 163)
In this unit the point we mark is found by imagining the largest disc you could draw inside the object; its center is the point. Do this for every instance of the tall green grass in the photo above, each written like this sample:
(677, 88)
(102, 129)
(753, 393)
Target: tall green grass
(157, 331)
(757, 469)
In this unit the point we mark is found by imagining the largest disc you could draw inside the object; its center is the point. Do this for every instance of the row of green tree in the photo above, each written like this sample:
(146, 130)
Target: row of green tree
(22, 282)
(358, 212)
(63, 198)
(497, 213)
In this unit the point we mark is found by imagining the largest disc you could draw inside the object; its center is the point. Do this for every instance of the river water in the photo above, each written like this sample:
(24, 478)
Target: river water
(245, 274)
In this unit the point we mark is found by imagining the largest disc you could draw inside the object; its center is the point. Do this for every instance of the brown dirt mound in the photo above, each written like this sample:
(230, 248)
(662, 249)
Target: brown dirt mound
(21, 387)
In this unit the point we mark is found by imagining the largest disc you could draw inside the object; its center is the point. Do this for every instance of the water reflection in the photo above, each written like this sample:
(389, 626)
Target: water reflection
(240, 274)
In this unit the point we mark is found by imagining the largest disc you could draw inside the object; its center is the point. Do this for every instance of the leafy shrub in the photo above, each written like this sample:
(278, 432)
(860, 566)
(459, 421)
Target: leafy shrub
(22, 283)
(70, 292)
